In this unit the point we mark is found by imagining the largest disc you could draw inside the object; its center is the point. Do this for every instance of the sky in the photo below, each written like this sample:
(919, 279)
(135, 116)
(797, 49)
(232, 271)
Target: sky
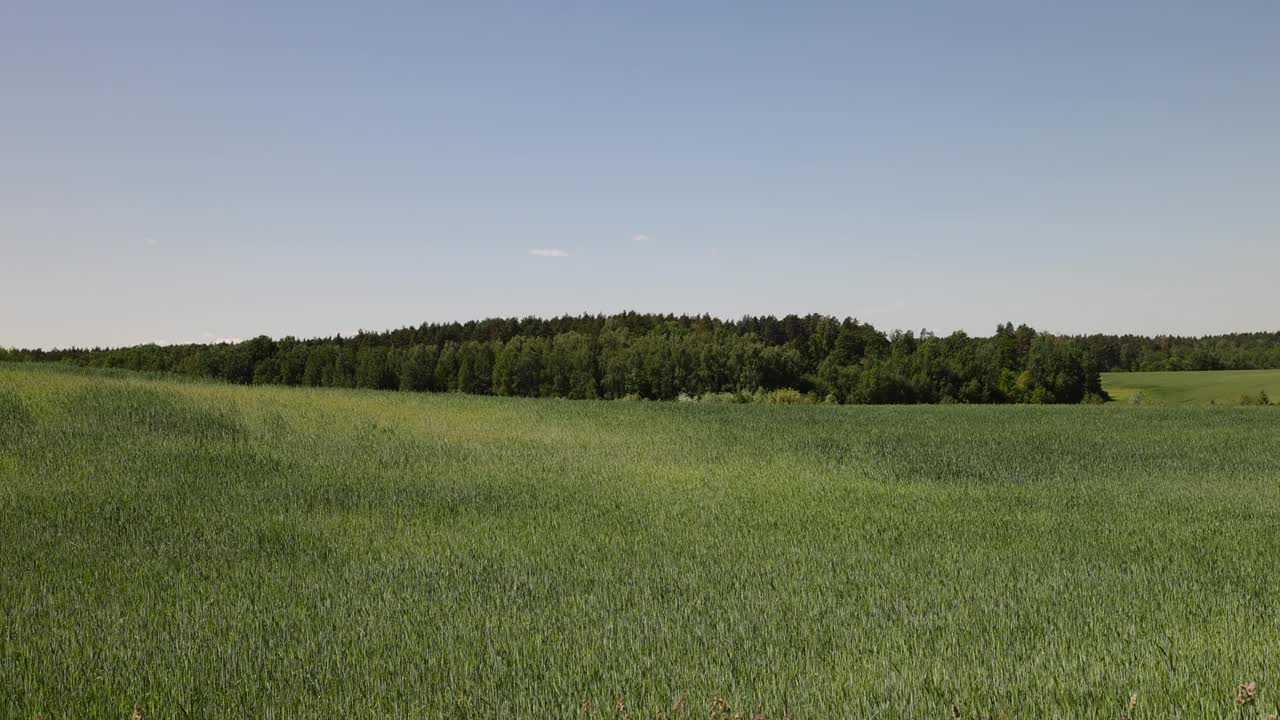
(182, 171)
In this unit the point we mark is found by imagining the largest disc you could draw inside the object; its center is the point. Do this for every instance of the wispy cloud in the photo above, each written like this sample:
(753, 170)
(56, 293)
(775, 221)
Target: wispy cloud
(641, 237)
(151, 242)
(549, 252)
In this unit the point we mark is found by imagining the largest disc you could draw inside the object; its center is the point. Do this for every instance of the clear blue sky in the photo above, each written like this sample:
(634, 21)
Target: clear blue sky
(183, 171)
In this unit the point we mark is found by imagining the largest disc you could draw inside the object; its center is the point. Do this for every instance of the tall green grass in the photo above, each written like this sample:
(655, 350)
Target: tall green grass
(209, 551)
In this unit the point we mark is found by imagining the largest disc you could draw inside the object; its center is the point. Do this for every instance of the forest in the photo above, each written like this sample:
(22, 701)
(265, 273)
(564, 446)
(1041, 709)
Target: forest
(811, 358)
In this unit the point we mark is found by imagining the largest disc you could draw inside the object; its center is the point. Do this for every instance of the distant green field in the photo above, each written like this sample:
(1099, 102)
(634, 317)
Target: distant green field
(1223, 387)
(212, 551)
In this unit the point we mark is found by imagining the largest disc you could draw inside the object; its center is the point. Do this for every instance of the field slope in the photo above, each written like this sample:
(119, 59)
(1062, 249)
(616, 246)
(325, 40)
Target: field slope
(1222, 387)
(213, 551)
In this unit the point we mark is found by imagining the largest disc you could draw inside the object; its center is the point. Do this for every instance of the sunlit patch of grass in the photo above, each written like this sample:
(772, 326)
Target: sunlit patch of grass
(1222, 387)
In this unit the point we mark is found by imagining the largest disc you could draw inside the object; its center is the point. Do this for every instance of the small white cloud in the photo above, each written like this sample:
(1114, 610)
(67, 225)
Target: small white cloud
(151, 242)
(642, 238)
(549, 252)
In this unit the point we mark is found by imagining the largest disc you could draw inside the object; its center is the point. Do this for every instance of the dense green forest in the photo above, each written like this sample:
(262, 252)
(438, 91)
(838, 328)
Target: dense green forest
(790, 359)
(1135, 353)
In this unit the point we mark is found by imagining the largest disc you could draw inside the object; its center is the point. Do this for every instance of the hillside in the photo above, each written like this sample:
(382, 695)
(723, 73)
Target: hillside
(1221, 387)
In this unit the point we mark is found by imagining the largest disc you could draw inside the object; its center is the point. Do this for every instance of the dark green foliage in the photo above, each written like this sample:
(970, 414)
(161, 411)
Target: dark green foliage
(475, 368)
(447, 367)
(374, 370)
(571, 369)
(418, 369)
(518, 368)
(666, 356)
(1059, 372)
(1237, 351)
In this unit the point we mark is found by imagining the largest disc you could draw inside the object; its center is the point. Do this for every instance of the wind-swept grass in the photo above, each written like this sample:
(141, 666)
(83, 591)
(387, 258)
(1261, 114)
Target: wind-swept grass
(211, 551)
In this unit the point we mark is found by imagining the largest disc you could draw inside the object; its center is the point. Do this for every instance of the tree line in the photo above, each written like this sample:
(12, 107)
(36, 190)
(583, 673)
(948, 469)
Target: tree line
(662, 357)
(1236, 351)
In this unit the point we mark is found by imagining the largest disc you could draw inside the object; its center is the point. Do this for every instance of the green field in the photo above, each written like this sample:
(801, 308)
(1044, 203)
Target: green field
(212, 551)
(1222, 387)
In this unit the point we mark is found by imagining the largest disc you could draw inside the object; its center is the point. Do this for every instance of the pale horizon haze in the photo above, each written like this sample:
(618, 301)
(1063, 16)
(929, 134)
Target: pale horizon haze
(186, 172)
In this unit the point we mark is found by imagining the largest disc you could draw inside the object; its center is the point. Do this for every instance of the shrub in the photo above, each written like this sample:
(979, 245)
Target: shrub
(1260, 399)
(787, 396)
(723, 398)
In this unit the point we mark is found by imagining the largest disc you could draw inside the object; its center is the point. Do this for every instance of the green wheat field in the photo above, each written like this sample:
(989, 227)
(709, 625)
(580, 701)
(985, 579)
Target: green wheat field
(207, 551)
